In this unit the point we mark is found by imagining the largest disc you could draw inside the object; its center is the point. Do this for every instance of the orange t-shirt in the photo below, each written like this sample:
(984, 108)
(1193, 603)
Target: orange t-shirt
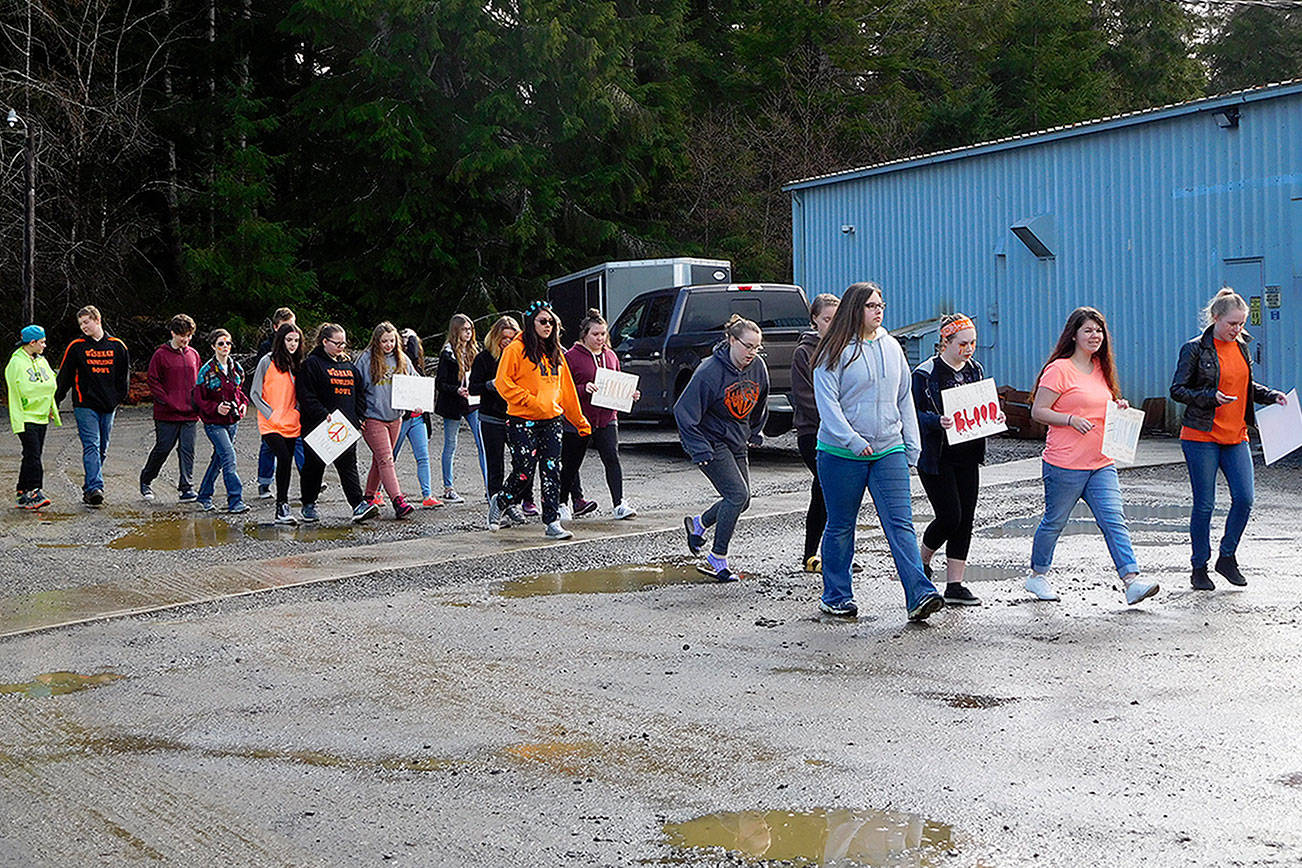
(1229, 425)
(1083, 395)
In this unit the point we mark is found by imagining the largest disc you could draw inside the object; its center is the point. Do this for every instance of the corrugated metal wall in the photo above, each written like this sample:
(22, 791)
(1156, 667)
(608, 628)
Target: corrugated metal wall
(1148, 218)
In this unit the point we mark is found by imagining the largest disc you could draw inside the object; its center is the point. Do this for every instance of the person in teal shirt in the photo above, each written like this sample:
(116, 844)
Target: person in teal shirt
(31, 386)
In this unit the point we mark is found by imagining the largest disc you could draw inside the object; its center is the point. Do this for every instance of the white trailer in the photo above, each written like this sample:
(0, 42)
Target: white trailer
(610, 286)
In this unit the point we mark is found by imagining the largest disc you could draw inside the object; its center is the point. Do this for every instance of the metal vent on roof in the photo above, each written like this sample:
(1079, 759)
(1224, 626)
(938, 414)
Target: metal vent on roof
(1037, 234)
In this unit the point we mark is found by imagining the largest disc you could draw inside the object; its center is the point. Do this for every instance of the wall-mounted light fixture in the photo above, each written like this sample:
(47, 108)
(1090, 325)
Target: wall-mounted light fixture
(847, 228)
(1227, 118)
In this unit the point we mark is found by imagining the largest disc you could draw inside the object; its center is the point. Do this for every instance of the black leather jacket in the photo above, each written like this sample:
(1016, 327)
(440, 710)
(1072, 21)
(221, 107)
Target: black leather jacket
(1198, 376)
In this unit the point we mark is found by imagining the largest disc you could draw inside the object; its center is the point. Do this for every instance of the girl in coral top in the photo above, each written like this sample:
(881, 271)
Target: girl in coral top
(1213, 379)
(1072, 395)
(534, 380)
(274, 393)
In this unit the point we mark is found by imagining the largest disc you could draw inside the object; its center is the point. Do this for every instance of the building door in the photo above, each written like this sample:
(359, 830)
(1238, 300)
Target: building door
(1245, 277)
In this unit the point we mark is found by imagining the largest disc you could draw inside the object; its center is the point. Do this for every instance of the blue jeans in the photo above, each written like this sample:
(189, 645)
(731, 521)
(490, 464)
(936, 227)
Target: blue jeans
(1101, 491)
(450, 428)
(1203, 460)
(223, 460)
(267, 461)
(887, 480)
(94, 428)
(415, 431)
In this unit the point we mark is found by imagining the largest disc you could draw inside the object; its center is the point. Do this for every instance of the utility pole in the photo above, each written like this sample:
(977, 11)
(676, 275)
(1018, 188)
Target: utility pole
(29, 217)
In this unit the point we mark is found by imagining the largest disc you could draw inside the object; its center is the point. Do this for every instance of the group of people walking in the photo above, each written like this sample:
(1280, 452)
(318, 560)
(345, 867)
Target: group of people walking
(862, 418)
(520, 381)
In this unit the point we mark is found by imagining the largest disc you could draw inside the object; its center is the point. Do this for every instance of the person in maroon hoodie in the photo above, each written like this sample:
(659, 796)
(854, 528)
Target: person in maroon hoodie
(222, 404)
(173, 371)
(590, 352)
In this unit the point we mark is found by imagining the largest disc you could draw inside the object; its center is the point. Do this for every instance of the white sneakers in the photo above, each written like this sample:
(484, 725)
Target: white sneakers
(1039, 587)
(555, 531)
(565, 512)
(624, 511)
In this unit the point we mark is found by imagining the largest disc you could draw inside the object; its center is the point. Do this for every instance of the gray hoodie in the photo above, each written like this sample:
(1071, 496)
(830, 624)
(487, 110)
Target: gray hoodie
(866, 400)
(722, 406)
(379, 396)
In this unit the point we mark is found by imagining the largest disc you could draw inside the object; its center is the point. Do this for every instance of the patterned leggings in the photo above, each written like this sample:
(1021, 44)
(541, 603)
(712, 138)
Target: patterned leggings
(534, 444)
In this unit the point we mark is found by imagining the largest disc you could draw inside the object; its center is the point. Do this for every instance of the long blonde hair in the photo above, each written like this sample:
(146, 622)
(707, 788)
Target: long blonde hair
(493, 340)
(377, 355)
(463, 351)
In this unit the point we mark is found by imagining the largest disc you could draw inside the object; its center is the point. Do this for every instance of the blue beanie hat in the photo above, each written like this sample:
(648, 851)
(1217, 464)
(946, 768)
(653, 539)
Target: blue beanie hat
(31, 333)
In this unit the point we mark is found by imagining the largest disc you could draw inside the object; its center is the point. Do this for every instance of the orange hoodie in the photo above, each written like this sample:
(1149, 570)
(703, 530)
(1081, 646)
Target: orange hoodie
(538, 392)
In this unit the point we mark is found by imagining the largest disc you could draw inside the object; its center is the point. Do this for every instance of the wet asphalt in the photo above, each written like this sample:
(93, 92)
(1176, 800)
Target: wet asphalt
(503, 710)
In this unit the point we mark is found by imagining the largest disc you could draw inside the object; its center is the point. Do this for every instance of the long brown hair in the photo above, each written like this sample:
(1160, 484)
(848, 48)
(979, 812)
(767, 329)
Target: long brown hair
(285, 361)
(377, 355)
(847, 325)
(492, 342)
(1066, 346)
(535, 348)
(463, 351)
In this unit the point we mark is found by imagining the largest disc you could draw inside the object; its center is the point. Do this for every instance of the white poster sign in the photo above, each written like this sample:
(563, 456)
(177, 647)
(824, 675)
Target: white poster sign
(1280, 428)
(975, 410)
(329, 439)
(614, 390)
(412, 393)
(1121, 433)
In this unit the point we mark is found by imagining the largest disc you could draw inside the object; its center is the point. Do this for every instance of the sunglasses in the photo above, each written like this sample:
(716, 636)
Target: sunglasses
(222, 344)
(546, 321)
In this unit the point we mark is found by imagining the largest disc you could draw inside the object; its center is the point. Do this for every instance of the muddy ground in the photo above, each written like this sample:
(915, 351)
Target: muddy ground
(522, 709)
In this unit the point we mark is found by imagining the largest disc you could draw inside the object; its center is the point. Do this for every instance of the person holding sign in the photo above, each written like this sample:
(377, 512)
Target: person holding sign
(274, 391)
(381, 422)
(452, 380)
(415, 423)
(1071, 396)
(1213, 379)
(330, 383)
(590, 353)
(720, 415)
(867, 438)
(535, 382)
(950, 473)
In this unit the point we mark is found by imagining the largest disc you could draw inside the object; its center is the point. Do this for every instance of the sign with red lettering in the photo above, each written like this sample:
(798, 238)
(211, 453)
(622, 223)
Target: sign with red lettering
(974, 407)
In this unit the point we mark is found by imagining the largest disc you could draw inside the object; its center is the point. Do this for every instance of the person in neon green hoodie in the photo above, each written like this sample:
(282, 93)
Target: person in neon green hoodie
(31, 385)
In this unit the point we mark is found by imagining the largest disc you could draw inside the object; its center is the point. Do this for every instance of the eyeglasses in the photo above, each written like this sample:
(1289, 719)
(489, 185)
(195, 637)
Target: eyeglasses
(545, 321)
(875, 305)
(754, 348)
(222, 344)
(338, 343)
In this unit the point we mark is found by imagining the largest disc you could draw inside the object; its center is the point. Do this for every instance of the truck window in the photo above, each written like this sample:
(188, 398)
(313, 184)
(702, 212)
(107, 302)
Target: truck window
(708, 311)
(627, 326)
(657, 316)
(783, 310)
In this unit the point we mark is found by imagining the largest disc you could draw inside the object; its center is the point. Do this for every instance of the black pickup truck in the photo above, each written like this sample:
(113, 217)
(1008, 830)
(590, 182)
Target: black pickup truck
(664, 334)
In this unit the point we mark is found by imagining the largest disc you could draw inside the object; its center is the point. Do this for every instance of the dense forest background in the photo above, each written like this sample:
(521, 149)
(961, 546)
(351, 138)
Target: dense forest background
(403, 159)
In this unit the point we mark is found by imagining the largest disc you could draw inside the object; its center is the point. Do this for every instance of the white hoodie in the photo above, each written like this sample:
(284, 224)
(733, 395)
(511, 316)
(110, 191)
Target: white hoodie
(865, 401)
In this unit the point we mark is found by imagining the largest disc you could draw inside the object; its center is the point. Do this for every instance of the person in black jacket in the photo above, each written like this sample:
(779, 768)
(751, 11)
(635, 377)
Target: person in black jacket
(1213, 379)
(492, 406)
(821, 311)
(452, 399)
(96, 370)
(329, 382)
(950, 474)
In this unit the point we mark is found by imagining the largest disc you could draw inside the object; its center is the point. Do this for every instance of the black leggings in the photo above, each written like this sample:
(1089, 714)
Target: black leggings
(953, 495)
(816, 517)
(535, 445)
(573, 450)
(283, 449)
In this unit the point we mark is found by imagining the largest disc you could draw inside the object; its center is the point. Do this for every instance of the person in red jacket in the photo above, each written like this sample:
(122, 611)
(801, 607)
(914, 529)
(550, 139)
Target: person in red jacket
(222, 404)
(589, 353)
(173, 371)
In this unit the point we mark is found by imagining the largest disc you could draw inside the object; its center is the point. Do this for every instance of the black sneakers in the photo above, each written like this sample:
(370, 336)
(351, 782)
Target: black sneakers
(926, 607)
(957, 594)
(1200, 581)
(1227, 566)
(844, 610)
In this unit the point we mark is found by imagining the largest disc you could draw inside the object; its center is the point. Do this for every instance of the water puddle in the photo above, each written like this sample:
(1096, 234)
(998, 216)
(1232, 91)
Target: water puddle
(177, 534)
(59, 683)
(1140, 518)
(969, 700)
(609, 580)
(821, 836)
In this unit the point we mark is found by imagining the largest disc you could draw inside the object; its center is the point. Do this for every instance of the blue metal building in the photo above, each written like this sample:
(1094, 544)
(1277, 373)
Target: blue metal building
(1143, 216)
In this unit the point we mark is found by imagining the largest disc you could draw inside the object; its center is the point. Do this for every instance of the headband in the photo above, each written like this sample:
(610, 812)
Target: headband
(535, 307)
(956, 326)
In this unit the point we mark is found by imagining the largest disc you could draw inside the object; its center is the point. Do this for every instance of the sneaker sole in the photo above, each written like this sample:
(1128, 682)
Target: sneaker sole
(368, 515)
(692, 546)
(828, 610)
(949, 601)
(1151, 591)
(930, 607)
